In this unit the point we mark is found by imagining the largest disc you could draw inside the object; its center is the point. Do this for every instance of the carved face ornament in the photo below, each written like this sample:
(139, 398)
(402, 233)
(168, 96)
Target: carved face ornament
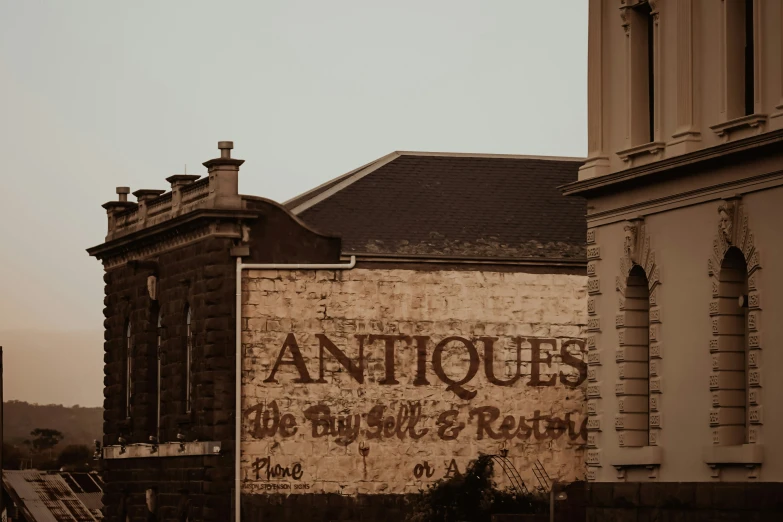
(726, 221)
(630, 242)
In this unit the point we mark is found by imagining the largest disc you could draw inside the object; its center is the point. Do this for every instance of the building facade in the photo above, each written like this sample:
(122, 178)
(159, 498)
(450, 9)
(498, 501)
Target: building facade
(393, 324)
(684, 185)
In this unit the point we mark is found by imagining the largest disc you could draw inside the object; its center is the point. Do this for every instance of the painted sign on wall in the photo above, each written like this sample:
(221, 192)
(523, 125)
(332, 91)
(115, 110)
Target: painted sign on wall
(381, 381)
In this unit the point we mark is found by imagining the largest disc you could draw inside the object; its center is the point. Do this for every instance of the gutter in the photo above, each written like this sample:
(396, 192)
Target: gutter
(468, 260)
(238, 355)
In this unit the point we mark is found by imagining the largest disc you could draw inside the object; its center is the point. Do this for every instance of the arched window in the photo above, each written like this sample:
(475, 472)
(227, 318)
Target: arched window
(634, 370)
(158, 354)
(188, 360)
(731, 359)
(128, 369)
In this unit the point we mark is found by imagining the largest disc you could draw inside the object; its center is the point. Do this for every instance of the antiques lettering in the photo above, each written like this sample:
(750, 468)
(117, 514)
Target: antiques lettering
(290, 354)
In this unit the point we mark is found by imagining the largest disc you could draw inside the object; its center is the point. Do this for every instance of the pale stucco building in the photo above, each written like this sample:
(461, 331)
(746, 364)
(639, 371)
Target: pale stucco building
(685, 257)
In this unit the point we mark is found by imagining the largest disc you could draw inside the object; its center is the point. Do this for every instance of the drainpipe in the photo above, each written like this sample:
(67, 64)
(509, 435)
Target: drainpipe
(238, 355)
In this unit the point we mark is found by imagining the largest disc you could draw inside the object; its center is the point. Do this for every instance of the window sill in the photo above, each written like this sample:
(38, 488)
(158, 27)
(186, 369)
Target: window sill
(751, 121)
(748, 455)
(649, 457)
(654, 147)
(167, 449)
(742, 454)
(638, 457)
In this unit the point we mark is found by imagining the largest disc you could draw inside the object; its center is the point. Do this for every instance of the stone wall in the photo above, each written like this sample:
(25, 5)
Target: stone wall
(378, 381)
(202, 276)
(698, 501)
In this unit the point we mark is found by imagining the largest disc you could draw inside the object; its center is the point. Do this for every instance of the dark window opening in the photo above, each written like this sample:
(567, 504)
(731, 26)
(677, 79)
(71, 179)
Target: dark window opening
(733, 284)
(158, 376)
(128, 369)
(642, 73)
(188, 362)
(749, 77)
(637, 353)
(650, 69)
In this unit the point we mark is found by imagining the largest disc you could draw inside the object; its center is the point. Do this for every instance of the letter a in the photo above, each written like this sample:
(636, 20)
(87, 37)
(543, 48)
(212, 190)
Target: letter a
(298, 361)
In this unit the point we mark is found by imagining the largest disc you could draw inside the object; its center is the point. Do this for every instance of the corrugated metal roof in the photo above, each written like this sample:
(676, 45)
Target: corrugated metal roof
(54, 496)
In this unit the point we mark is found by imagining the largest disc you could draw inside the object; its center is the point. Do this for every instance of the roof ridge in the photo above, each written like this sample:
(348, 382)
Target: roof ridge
(300, 203)
(303, 195)
(350, 178)
(489, 155)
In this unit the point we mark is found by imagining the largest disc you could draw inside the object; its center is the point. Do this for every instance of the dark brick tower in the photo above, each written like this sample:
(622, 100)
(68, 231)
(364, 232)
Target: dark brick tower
(169, 352)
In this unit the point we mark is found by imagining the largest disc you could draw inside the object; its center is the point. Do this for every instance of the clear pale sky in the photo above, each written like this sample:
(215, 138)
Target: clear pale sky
(97, 94)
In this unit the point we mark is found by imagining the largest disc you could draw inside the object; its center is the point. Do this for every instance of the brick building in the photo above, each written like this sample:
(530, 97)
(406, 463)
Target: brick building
(683, 182)
(395, 322)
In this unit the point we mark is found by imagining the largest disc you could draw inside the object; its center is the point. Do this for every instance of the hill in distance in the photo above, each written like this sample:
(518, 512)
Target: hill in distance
(79, 425)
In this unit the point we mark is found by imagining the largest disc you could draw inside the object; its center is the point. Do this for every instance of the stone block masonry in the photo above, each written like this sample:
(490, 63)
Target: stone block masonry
(200, 276)
(381, 381)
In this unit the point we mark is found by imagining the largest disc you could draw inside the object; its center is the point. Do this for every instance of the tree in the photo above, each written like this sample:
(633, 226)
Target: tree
(75, 457)
(45, 439)
(472, 496)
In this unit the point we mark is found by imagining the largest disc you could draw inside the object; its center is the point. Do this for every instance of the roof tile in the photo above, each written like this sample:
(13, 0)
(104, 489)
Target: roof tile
(475, 206)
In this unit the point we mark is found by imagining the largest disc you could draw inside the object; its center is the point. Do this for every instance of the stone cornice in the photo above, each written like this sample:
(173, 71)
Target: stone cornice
(670, 166)
(172, 234)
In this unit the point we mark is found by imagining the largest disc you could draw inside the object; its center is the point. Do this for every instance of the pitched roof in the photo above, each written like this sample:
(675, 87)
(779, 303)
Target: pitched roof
(452, 205)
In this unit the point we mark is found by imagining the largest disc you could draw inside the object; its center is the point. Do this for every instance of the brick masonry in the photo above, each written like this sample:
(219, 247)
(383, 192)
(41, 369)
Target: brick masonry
(544, 312)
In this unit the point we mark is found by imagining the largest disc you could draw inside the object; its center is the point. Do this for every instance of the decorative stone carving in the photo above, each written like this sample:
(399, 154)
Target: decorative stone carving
(629, 245)
(593, 391)
(654, 8)
(726, 224)
(730, 359)
(152, 287)
(638, 324)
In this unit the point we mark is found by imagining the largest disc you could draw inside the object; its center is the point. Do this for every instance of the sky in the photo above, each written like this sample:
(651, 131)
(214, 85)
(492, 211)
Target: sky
(96, 94)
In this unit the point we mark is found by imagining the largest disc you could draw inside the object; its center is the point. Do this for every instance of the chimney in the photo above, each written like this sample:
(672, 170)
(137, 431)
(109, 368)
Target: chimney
(114, 207)
(143, 196)
(177, 182)
(224, 177)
